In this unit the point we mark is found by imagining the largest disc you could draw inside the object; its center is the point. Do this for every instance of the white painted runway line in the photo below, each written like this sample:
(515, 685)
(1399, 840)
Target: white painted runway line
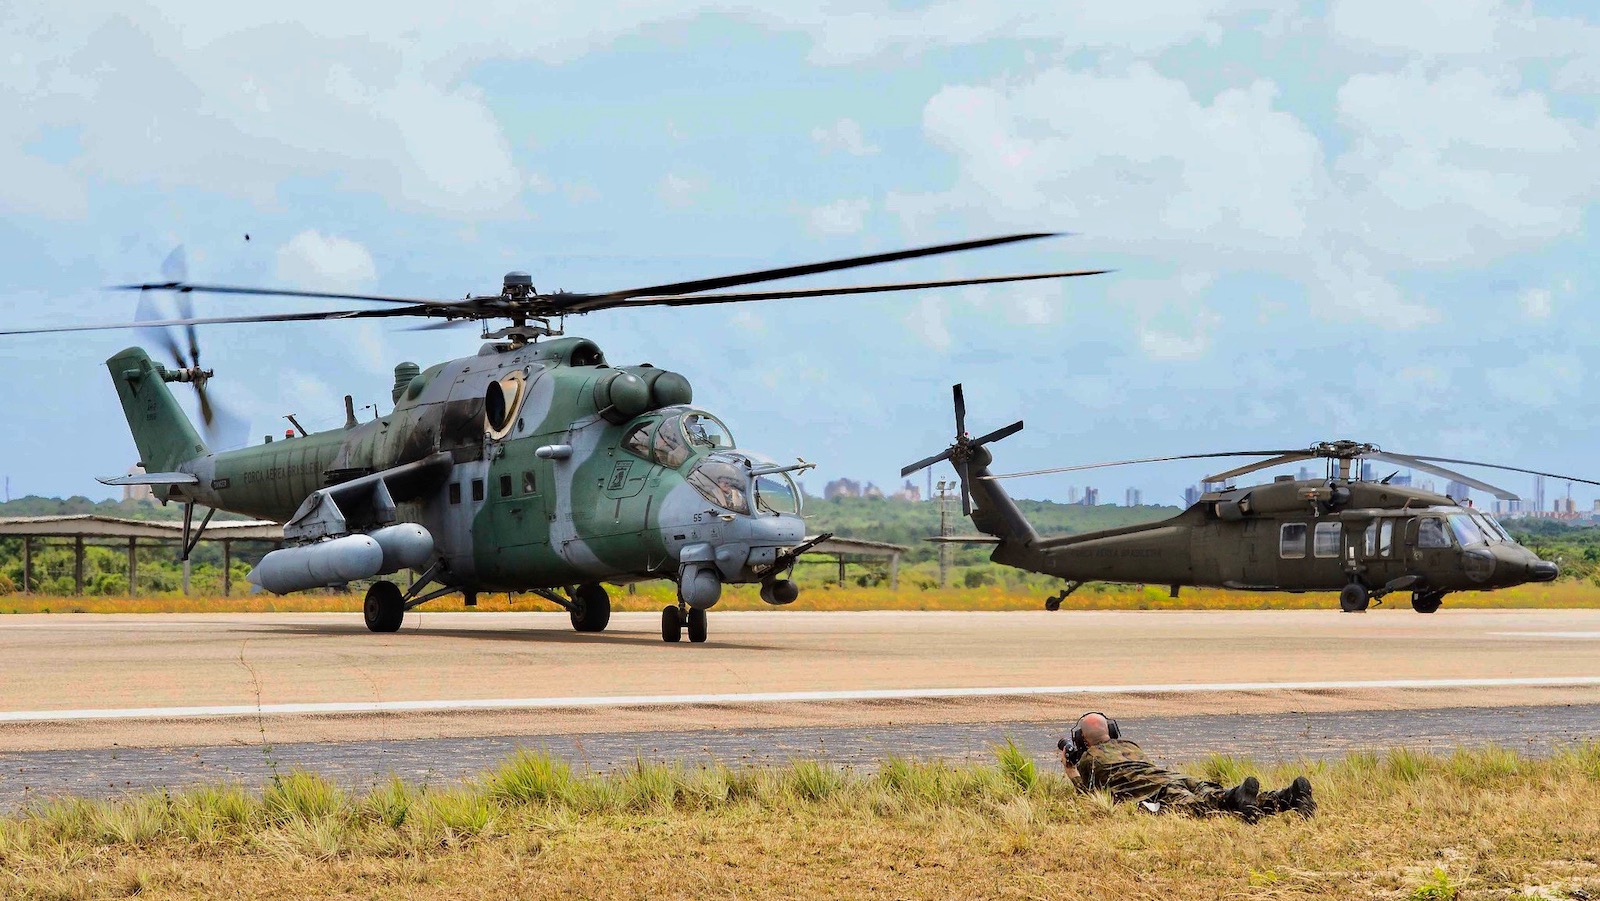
(776, 697)
(1580, 635)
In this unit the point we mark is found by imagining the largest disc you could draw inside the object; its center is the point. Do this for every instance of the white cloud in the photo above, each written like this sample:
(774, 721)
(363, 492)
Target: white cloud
(928, 322)
(842, 217)
(1535, 303)
(845, 136)
(328, 262)
(680, 190)
(1543, 380)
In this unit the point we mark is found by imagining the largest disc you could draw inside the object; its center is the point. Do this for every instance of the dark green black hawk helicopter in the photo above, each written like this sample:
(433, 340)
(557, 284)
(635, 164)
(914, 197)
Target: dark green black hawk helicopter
(1363, 539)
(531, 466)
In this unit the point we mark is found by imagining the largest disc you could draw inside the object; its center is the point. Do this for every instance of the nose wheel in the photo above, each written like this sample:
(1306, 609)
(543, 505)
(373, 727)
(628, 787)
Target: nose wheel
(677, 618)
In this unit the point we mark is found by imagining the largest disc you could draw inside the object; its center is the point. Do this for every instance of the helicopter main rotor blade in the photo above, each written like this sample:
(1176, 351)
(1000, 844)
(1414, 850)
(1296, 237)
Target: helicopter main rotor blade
(590, 305)
(1420, 465)
(1290, 457)
(959, 398)
(766, 275)
(1056, 469)
(926, 462)
(998, 434)
(966, 496)
(183, 287)
(220, 320)
(1531, 472)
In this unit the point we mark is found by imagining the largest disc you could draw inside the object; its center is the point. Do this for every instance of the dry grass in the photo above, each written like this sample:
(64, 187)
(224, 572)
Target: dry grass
(1478, 824)
(651, 597)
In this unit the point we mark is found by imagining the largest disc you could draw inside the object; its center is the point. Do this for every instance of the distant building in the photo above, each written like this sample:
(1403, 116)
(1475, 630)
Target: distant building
(1367, 474)
(1073, 494)
(1458, 490)
(908, 492)
(138, 492)
(1403, 480)
(841, 488)
(1191, 495)
(1133, 497)
(1091, 497)
(1304, 475)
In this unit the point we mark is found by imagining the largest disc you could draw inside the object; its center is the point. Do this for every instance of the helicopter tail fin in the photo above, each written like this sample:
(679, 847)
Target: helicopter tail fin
(162, 432)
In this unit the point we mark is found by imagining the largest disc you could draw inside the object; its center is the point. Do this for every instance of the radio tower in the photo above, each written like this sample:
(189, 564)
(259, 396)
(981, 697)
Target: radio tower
(944, 531)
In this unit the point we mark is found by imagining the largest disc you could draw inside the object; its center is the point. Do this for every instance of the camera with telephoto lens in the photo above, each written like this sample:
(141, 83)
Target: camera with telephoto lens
(1071, 748)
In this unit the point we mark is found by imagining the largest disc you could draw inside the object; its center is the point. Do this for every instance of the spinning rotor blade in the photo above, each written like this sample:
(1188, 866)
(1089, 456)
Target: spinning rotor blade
(182, 287)
(583, 303)
(590, 305)
(1043, 472)
(1418, 464)
(960, 398)
(1531, 472)
(1290, 457)
(218, 320)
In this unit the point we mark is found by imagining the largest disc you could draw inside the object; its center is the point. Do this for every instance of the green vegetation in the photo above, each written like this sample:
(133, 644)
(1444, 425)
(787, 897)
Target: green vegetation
(1495, 822)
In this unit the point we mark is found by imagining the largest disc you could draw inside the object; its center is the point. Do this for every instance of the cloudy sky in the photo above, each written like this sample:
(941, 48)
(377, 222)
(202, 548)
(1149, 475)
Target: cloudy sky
(1351, 218)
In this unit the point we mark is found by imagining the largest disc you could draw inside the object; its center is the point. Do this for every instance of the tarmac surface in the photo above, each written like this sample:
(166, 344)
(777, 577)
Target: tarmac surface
(140, 701)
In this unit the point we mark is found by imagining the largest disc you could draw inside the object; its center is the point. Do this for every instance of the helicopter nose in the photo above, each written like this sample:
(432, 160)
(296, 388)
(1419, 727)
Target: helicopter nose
(1543, 571)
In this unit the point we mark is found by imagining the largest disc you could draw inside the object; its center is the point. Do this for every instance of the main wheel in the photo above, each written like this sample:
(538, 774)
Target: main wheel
(671, 623)
(384, 609)
(697, 625)
(591, 608)
(1426, 601)
(1354, 598)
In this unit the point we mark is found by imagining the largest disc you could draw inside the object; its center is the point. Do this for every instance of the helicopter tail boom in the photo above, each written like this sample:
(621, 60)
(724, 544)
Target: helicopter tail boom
(162, 432)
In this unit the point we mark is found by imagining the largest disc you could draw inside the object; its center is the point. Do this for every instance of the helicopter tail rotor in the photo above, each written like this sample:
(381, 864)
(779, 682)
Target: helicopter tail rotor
(222, 427)
(966, 451)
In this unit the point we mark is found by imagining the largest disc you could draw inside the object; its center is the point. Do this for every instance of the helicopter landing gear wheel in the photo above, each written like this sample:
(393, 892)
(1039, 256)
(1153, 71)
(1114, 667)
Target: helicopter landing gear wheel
(697, 625)
(1426, 601)
(384, 609)
(1354, 598)
(671, 623)
(591, 608)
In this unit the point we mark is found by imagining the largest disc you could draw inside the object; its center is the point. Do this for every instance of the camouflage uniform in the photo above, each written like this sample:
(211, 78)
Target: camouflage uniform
(1121, 767)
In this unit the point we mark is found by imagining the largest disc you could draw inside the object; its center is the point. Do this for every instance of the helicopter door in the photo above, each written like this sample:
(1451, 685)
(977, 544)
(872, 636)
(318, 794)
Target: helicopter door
(1429, 545)
(1296, 565)
(1260, 553)
(1378, 549)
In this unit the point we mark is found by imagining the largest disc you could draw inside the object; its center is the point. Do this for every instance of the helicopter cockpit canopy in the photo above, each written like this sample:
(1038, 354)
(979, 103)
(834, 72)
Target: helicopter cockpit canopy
(673, 440)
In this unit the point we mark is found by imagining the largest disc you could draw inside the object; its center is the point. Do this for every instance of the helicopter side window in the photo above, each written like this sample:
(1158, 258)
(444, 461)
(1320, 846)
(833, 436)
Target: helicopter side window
(505, 486)
(529, 486)
(1467, 531)
(1292, 541)
(722, 483)
(637, 441)
(669, 447)
(1386, 538)
(1326, 539)
(1431, 533)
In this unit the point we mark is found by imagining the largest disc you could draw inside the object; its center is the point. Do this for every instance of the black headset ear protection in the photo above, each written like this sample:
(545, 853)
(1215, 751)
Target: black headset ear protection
(1077, 728)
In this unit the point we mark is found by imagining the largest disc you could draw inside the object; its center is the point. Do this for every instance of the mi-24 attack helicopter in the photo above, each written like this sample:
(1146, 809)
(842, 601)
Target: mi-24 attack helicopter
(532, 466)
(1363, 539)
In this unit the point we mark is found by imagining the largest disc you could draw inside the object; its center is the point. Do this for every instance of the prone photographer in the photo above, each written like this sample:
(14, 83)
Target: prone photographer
(1097, 757)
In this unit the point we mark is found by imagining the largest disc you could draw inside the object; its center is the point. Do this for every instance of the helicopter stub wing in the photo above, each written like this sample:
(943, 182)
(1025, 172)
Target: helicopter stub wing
(152, 478)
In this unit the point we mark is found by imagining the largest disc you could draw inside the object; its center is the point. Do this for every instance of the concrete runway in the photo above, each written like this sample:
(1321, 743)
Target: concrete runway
(37, 775)
(84, 682)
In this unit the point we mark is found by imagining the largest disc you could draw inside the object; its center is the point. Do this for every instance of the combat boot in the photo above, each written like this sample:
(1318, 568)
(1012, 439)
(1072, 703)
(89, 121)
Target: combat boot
(1299, 797)
(1242, 799)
